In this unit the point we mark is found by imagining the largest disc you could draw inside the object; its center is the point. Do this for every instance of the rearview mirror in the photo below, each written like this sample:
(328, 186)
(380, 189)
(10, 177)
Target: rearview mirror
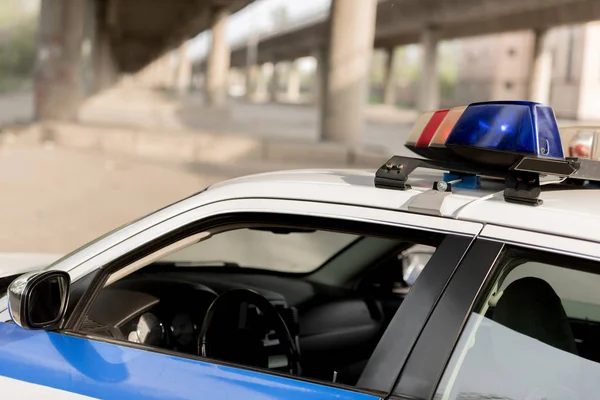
(38, 300)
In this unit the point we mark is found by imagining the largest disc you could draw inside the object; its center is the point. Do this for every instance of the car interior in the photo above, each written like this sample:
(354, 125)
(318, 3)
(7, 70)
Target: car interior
(540, 332)
(307, 302)
(558, 306)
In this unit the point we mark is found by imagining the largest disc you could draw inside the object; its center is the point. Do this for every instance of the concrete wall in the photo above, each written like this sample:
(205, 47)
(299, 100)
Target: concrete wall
(497, 67)
(589, 96)
(566, 45)
(494, 67)
(514, 52)
(476, 69)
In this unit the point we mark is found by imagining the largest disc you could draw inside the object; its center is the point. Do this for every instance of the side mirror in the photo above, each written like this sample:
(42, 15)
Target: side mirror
(413, 262)
(38, 300)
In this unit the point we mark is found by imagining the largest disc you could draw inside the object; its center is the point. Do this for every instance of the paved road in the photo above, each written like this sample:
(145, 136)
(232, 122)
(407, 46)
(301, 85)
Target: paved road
(145, 109)
(54, 200)
(16, 108)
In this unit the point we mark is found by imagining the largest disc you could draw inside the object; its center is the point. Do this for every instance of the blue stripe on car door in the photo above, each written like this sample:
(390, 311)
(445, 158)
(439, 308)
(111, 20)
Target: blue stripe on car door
(105, 370)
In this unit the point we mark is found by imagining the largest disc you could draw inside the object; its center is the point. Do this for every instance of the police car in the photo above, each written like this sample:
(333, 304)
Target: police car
(470, 272)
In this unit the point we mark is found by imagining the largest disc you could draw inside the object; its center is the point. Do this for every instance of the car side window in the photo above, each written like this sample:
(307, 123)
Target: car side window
(533, 334)
(182, 296)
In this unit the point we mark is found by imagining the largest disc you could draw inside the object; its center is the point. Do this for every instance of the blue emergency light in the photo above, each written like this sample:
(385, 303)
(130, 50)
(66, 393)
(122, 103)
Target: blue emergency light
(502, 132)
(517, 141)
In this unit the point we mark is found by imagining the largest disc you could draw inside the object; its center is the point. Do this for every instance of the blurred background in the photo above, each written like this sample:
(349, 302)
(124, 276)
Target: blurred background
(110, 109)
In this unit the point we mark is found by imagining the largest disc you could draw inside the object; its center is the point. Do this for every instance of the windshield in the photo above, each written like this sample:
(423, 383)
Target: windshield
(292, 252)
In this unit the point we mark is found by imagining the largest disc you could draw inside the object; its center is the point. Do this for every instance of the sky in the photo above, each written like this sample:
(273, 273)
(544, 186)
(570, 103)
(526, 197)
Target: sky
(258, 16)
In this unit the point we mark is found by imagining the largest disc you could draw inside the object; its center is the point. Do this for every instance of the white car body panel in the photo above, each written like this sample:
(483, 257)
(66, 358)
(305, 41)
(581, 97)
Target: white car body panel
(123, 246)
(551, 243)
(351, 194)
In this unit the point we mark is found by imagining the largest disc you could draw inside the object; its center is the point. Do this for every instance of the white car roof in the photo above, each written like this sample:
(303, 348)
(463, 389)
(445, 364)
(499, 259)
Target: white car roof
(570, 212)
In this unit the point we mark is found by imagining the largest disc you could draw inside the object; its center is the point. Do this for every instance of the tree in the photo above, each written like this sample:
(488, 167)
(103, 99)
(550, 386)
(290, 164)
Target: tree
(17, 44)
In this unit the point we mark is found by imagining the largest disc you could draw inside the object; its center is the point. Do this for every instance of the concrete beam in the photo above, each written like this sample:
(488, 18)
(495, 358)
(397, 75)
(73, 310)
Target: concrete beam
(400, 22)
(352, 28)
(143, 30)
(58, 79)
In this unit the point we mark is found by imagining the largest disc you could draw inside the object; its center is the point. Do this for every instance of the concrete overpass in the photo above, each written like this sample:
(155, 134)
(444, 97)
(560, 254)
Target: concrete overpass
(337, 41)
(84, 45)
(402, 22)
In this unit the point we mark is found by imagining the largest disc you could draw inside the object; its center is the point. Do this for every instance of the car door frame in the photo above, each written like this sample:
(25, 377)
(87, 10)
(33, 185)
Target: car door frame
(461, 232)
(419, 380)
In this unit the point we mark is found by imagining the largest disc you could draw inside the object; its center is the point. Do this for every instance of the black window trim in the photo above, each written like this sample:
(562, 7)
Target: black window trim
(379, 381)
(381, 371)
(420, 379)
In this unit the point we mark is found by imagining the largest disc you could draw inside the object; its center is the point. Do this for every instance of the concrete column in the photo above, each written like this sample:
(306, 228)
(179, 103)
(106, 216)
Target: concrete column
(106, 69)
(293, 83)
(218, 61)
(540, 75)
(165, 71)
(318, 89)
(389, 85)
(262, 88)
(352, 31)
(58, 77)
(429, 85)
(251, 60)
(184, 69)
(274, 83)
(251, 79)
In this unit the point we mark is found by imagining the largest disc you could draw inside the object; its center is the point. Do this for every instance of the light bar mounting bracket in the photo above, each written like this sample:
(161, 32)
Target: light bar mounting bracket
(522, 180)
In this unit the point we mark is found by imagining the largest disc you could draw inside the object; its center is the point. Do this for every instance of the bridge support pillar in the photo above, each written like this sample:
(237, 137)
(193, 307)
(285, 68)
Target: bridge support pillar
(274, 83)
(262, 84)
(318, 89)
(58, 80)
(218, 61)
(540, 75)
(389, 85)
(184, 70)
(106, 70)
(429, 86)
(352, 32)
(293, 83)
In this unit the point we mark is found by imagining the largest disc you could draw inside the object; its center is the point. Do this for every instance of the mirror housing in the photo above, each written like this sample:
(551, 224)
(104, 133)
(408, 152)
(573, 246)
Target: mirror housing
(38, 300)
(413, 261)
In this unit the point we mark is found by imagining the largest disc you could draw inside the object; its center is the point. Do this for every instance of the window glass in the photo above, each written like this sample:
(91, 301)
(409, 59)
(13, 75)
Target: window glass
(162, 301)
(285, 251)
(535, 336)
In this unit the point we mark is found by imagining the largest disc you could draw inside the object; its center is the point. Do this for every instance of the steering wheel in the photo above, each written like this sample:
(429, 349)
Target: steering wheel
(225, 337)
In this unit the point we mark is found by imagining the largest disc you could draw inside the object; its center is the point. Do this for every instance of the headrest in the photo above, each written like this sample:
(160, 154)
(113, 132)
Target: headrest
(530, 306)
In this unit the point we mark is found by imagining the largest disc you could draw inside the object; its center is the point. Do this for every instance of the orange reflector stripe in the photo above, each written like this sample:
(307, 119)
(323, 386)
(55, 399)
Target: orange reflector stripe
(431, 127)
(443, 131)
(418, 127)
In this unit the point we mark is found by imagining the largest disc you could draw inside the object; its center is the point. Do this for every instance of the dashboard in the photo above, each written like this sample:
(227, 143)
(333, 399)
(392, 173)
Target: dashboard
(166, 309)
(153, 311)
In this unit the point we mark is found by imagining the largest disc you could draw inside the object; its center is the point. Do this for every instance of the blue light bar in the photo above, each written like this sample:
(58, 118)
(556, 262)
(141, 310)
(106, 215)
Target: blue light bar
(508, 130)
